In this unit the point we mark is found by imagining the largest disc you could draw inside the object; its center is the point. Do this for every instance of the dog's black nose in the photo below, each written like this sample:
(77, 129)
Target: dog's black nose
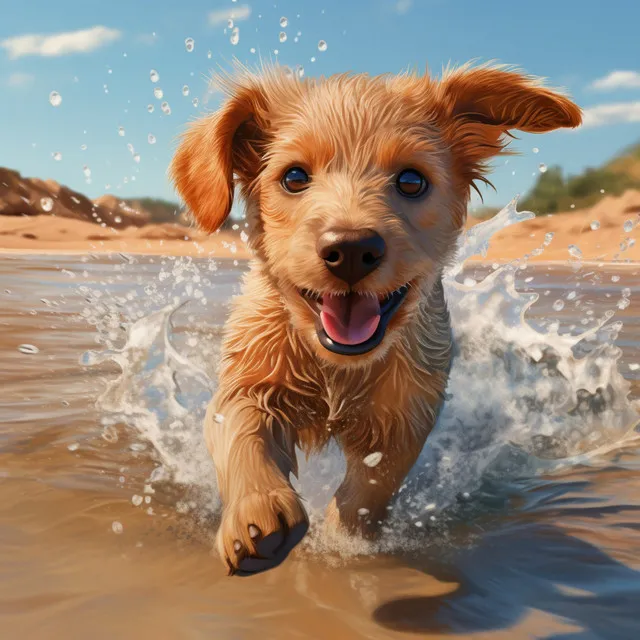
(351, 255)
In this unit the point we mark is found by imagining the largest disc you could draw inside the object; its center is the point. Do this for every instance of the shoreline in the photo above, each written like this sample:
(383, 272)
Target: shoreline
(244, 256)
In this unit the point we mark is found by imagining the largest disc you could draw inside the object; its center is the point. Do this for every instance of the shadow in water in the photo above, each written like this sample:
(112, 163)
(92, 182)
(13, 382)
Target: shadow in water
(528, 566)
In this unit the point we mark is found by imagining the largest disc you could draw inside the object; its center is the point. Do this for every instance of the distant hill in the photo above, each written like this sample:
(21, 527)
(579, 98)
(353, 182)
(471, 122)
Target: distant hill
(554, 192)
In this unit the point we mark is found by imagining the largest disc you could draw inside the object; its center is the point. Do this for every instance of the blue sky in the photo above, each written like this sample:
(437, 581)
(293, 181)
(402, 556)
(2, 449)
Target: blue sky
(98, 57)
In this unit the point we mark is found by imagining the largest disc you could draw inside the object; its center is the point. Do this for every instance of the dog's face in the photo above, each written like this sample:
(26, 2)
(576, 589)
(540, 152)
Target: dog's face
(356, 187)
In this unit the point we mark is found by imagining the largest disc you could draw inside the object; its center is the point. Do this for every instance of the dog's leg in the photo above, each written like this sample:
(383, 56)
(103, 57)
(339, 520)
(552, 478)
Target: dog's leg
(359, 505)
(263, 518)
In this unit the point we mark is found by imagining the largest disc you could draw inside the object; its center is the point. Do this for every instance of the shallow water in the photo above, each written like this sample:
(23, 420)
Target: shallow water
(520, 520)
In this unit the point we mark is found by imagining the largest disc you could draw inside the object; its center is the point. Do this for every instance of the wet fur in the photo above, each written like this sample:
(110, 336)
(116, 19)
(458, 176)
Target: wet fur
(278, 386)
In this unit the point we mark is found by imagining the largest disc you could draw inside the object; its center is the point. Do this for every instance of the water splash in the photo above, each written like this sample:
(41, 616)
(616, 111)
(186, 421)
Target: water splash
(523, 396)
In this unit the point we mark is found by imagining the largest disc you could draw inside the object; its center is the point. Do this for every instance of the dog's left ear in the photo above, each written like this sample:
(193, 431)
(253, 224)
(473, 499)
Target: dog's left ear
(215, 148)
(480, 105)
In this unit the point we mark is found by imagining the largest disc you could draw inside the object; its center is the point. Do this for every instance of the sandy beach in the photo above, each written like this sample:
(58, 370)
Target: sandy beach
(606, 232)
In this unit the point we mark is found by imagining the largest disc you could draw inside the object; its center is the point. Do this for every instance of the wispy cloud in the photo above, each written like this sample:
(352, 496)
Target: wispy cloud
(617, 80)
(219, 17)
(17, 80)
(613, 113)
(59, 44)
(402, 6)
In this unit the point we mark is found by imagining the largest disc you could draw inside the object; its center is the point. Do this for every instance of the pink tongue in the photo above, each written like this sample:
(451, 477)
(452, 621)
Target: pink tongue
(351, 319)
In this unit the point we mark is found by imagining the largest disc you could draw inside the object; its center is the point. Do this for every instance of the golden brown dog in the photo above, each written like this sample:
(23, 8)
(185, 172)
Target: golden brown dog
(356, 190)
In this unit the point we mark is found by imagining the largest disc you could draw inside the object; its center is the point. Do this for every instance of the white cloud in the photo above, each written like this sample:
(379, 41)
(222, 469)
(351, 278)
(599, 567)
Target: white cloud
(617, 80)
(19, 80)
(402, 6)
(236, 14)
(614, 113)
(59, 44)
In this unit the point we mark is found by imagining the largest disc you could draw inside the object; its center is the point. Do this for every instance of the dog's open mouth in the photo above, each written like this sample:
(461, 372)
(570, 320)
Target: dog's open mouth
(354, 323)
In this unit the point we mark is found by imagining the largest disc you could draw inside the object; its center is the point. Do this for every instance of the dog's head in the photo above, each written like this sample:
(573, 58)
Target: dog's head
(356, 186)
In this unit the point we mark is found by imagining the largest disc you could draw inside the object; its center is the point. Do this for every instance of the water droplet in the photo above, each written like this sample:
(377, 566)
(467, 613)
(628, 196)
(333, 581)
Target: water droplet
(121, 132)
(229, 23)
(117, 527)
(55, 99)
(136, 157)
(542, 167)
(195, 102)
(300, 71)
(151, 139)
(74, 446)
(189, 44)
(535, 150)
(154, 75)
(615, 278)
(219, 418)
(252, 50)
(623, 304)
(185, 90)
(313, 58)
(28, 349)
(628, 226)
(282, 37)
(548, 237)
(558, 305)
(150, 108)
(373, 459)
(86, 171)
(575, 251)
(117, 219)
(46, 204)
(209, 55)
(363, 512)
(166, 109)
(158, 93)
(595, 225)
(137, 500)
(57, 156)
(322, 45)
(284, 23)
(235, 36)
(83, 147)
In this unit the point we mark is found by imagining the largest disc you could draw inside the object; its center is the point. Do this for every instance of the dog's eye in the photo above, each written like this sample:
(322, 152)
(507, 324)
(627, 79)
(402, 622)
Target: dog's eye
(295, 180)
(411, 183)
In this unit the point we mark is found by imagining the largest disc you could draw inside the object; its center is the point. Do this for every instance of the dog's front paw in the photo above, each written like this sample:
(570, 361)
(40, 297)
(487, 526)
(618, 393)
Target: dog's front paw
(259, 530)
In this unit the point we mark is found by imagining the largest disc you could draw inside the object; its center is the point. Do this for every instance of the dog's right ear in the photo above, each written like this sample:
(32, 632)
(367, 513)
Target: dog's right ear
(215, 148)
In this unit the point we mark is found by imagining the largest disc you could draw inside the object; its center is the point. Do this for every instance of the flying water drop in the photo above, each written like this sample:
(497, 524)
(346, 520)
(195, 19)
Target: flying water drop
(284, 23)
(166, 109)
(189, 44)
(542, 167)
(158, 93)
(154, 75)
(235, 36)
(322, 45)
(282, 37)
(55, 99)
(185, 90)
(151, 138)
(57, 156)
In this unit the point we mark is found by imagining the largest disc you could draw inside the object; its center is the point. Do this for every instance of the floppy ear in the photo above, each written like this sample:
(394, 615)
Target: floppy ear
(215, 148)
(480, 105)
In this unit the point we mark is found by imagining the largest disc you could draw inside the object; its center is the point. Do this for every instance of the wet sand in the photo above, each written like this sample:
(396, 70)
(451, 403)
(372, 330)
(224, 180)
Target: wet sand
(530, 556)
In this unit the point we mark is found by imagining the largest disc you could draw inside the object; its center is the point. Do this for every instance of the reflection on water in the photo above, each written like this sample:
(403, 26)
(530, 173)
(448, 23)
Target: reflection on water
(521, 519)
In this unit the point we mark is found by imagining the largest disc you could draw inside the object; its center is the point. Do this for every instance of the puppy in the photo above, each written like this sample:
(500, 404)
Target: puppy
(356, 190)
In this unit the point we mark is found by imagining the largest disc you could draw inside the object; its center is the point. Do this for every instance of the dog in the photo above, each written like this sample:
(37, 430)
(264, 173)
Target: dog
(356, 190)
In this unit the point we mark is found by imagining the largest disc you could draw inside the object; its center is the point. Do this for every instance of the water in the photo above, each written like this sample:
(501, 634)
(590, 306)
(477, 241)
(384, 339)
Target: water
(322, 45)
(55, 99)
(520, 519)
(189, 44)
(158, 93)
(154, 76)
